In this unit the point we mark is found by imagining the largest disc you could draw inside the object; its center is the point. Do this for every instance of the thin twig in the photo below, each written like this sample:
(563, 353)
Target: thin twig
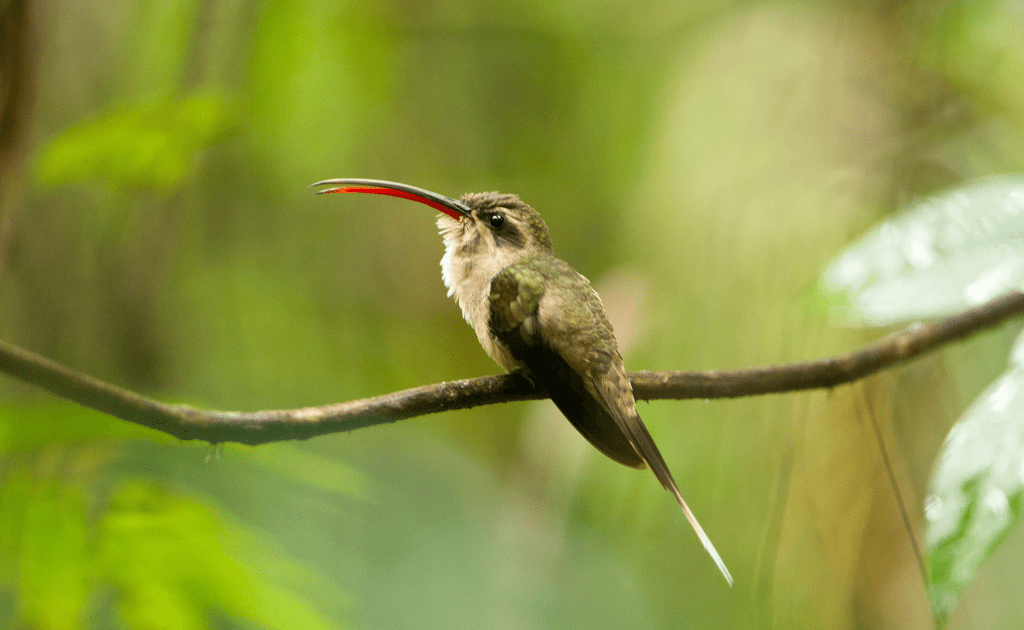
(259, 427)
(890, 471)
(909, 343)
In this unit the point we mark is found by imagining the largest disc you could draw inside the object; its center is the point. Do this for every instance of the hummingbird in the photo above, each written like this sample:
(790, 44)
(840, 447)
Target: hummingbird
(534, 314)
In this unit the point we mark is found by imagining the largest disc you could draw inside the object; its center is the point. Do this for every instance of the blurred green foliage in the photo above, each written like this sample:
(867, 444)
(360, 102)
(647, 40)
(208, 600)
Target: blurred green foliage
(701, 162)
(172, 560)
(80, 548)
(149, 145)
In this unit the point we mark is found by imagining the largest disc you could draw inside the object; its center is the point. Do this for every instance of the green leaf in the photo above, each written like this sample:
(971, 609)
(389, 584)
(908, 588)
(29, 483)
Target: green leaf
(15, 492)
(145, 145)
(173, 560)
(44, 535)
(977, 486)
(944, 254)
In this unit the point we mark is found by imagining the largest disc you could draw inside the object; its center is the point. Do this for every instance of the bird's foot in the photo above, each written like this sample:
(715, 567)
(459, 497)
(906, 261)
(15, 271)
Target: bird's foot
(524, 373)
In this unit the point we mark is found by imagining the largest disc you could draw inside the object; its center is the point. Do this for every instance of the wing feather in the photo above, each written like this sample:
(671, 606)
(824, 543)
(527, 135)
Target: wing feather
(515, 297)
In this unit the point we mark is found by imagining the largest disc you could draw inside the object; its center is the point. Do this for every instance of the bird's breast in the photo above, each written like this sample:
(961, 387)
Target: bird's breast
(469, 282)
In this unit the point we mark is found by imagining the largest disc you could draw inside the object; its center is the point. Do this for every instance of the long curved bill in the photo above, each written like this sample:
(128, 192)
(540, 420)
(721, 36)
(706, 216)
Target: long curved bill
(455, 209)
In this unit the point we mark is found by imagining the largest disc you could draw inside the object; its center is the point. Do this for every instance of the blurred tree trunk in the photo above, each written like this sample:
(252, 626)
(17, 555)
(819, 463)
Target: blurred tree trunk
(17, 57)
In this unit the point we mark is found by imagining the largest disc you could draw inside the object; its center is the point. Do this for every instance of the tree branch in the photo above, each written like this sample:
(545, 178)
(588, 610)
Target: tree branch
(259, 427)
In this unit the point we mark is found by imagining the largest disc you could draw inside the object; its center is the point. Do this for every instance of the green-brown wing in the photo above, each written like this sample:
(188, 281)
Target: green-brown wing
(516, 292)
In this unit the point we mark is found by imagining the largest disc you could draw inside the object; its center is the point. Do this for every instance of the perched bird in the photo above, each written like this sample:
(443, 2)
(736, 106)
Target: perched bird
(534, 313)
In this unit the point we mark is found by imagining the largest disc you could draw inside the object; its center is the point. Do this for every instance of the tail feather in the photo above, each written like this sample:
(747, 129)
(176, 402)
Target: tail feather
(704, 540)
(631, 424)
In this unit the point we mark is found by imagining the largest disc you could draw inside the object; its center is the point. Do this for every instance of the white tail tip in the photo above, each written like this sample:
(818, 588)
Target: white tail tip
(704, 540)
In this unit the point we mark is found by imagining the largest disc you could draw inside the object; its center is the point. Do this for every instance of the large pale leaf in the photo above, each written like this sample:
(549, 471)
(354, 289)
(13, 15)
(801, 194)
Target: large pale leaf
(977, 486)
(944, 254)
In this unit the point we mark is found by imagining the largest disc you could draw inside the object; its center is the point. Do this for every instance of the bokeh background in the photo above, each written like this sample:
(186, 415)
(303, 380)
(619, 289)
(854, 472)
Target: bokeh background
(700, 161)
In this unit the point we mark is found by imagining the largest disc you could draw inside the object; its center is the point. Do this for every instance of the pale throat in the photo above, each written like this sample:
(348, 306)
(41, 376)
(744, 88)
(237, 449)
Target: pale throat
(467, 274)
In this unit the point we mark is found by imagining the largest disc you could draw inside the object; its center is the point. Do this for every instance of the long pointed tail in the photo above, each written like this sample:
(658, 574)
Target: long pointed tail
(704, 540)
(629, 421)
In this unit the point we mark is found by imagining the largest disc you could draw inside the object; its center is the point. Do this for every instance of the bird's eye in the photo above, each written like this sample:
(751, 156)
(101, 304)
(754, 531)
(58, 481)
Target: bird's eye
(496, 220)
